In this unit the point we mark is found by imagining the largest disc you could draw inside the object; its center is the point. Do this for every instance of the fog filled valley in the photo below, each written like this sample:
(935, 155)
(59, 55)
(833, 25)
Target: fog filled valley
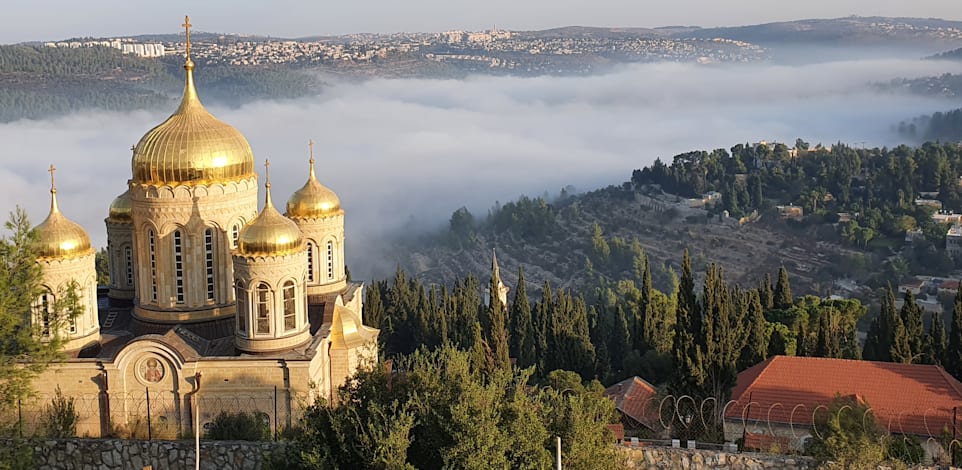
(405, 153)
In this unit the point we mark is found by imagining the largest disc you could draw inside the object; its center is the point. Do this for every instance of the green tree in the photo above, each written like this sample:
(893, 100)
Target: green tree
(24, 350)
(756, 341)
(953, 352)
(522, 334)
(914, 331)
(935, 347)
(783, 291)
(849, 436)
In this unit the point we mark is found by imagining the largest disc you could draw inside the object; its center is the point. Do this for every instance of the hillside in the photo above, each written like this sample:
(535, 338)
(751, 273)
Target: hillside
(39, 82)
(849, 31)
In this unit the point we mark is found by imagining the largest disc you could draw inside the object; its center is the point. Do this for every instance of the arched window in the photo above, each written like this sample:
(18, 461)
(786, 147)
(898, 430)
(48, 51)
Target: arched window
(151, 246)
(330, 260)
(263, 315)
(43, 311)
(290, 309)
(209, 260)
(310, 262)
(234, 235)
(179, 265)
(242, 309)
(129, 265)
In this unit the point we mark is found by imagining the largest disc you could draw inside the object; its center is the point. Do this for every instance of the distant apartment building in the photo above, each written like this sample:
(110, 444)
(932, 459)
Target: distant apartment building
(792, 212)
(929, 203)
(953, 240)
(947, 218)
(125, 46)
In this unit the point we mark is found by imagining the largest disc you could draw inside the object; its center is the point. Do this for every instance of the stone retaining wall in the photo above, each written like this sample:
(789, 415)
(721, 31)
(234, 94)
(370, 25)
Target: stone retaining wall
(657, 458)
(117, 454)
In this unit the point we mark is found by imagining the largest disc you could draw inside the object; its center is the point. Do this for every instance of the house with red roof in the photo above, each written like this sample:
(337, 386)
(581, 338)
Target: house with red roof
(777, 400)
(637, 402)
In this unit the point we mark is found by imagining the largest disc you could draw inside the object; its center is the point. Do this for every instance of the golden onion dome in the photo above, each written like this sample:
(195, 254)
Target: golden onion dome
(58, 236)
(192, 146)
(313, 200)
(121, 207)
(270, 233)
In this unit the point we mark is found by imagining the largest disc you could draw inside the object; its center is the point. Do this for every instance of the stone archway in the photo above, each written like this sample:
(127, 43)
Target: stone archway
(148, 401)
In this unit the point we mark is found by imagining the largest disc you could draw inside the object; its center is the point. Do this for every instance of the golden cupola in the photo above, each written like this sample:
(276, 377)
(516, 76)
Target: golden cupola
(120, 208)
(313, 200)
(57, 236)
(270, 233)
(192, 146)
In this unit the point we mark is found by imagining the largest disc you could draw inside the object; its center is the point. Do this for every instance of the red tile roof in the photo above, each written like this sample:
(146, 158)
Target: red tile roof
(766, 442)
(636, 399)
(905, 398)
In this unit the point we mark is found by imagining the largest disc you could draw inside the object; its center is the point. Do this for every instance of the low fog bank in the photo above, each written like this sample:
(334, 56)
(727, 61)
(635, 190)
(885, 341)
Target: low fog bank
(409, 152)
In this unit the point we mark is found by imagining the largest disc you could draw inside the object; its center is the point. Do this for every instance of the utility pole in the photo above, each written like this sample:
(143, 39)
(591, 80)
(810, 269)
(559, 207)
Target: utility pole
(558, 453)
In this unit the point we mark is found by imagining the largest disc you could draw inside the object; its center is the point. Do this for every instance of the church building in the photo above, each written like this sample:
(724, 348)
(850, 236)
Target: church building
(217, 301)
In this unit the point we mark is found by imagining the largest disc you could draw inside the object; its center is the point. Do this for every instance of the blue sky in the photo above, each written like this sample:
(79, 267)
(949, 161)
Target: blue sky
(31, 20)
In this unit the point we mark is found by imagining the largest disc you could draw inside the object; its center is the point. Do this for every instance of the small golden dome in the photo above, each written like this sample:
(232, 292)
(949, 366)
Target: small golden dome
(192, 146)
(313, 200)
(58, 236)
(120, 208)
(270, 233)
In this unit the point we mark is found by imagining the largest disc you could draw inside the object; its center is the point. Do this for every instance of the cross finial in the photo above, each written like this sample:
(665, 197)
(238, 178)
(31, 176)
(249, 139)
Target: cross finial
(53, 183)
(310, 143)
(187, 27)
(267, 171)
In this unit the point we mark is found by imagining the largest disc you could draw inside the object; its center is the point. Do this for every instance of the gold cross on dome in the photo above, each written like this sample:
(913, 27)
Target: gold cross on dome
(187, 27)
(310, 143)
(267, 170)
(52, 170)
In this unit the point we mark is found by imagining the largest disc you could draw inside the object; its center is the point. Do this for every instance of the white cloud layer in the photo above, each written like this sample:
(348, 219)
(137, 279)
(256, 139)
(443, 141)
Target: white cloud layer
(403, 151)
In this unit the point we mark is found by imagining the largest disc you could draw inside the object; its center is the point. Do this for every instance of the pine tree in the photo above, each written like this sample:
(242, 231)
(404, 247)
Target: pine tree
(783, 291)
(522, 334)
(756, 342)
(935, 341)
(953, 353)
(911, 315)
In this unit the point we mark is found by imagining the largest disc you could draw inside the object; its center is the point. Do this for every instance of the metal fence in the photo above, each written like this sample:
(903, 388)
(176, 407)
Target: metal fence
(150, 414)
(786, 427)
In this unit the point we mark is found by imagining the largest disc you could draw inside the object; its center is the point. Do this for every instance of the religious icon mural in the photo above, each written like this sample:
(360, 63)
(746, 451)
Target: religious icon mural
(152, 370)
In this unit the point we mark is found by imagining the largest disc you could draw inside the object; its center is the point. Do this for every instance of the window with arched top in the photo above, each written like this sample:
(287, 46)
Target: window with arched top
(152, 251)
(209, 261)
(262, 297)
(290, 307)
(310, 262)
(330, 260)
(242, 309)
(179, 266)
(129, 265)
(234, 235)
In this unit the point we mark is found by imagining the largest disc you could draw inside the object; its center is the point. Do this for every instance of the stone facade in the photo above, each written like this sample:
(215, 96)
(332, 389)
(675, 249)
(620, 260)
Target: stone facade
(58, 274)
(324, 237)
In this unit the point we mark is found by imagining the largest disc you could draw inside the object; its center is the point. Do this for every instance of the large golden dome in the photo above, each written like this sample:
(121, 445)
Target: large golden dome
(59, 237)
(313, 200)
(270, 233)
(121, 207)
(192, 147)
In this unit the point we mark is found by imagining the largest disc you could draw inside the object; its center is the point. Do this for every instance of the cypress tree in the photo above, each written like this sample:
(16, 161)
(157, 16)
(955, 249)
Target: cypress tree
(497, 311)
(953, 353)
(756, 343)
(620, 345)
(783, 291)
(889, 326)
(870, 352)
(935, 341)
(911, 315)
(827, 344)
(777, 343)
(687, 376)
(766, 294)
(542, 329)
(373, 306)
(522, 334)
(650, 319)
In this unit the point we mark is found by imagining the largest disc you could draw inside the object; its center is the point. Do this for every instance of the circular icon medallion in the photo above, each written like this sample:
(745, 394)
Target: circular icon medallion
(151, 370)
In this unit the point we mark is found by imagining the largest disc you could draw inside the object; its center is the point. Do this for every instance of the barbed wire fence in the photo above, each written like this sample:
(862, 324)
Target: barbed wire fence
(150, 414)
(787, 427)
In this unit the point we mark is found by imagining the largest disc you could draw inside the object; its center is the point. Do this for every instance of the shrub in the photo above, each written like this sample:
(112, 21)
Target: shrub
(239, 427)
(59, 418)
